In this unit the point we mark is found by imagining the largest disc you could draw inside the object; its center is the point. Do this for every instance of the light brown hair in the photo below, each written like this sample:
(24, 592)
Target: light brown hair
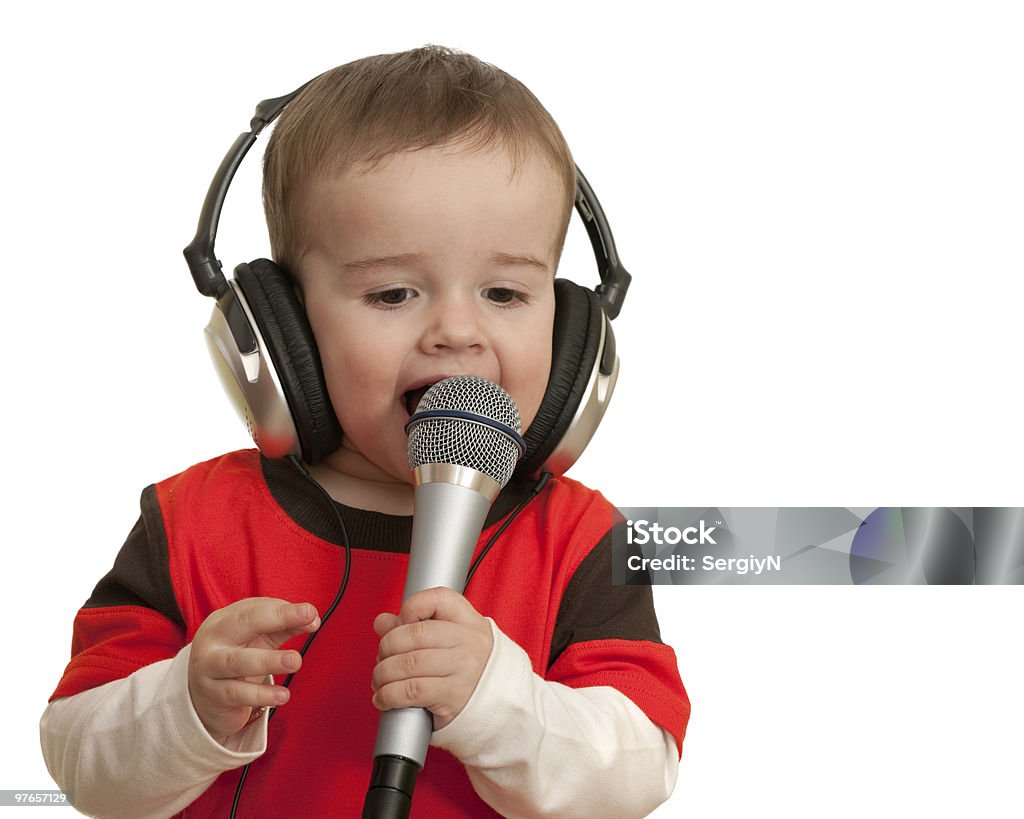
(370, 109)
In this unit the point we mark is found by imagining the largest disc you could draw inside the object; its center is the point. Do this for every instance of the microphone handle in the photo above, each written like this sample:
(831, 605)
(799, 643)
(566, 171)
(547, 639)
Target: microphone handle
(446, 526)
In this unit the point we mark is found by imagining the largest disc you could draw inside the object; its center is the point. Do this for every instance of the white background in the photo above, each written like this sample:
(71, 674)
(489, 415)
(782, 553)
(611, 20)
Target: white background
(821, 205)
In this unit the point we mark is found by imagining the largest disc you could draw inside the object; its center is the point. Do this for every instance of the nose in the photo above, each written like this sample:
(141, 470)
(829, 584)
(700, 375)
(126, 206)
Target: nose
(455, 325)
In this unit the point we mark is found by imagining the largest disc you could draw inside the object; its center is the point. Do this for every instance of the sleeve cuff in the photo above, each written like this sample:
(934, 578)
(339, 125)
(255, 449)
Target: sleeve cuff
(535, 747)
(489, 712)
(241, 747)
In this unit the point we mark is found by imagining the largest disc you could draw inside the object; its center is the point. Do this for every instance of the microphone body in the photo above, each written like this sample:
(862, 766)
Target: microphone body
(446, 524)
(451, 501)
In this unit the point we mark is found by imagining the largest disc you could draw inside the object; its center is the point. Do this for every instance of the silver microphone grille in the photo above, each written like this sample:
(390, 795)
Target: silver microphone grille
(469, 421)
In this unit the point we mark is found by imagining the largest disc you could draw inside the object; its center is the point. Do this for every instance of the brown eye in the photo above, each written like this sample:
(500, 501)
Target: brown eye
(393, 297)
(504, 296)
(396, 296)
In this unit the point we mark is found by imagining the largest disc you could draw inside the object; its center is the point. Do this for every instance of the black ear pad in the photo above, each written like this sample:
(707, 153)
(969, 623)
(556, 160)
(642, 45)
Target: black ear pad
(293, 354)
(574, 351)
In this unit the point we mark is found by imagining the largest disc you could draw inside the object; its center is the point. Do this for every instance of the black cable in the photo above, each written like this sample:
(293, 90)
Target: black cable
(534, 492)
(323, 620)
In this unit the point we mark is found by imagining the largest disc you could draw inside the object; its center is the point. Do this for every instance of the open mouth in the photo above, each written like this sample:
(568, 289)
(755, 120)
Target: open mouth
(413, 398)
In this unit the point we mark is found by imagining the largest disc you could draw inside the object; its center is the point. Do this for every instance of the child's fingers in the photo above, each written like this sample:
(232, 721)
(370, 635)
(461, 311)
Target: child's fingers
(384, 622)
(423, 634)
(439, 604)
(235, 693)
(431, 655)
(431, 662)
(251, 662)
(418, 692)
(266, 617)
(279, 638)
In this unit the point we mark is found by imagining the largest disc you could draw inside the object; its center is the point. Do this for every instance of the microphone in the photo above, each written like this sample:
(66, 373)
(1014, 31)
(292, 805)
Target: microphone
(464, 441)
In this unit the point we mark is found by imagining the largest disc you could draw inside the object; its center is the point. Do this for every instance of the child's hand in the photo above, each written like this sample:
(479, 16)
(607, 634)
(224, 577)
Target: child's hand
(234, 650)
(431, 654)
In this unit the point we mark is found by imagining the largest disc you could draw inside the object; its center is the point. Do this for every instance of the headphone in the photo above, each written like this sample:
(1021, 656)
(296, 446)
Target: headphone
(266, 356)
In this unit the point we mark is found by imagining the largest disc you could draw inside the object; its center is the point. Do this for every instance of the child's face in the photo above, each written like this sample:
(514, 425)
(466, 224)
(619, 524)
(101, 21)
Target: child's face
(438, 262)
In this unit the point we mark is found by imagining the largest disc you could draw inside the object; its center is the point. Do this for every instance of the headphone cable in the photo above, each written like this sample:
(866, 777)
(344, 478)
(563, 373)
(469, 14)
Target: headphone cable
(323, 620)
(534, 492)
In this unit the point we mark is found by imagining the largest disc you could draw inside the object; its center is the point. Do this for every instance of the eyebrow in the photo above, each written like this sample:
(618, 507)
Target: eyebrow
(511, 259)
(372, 263)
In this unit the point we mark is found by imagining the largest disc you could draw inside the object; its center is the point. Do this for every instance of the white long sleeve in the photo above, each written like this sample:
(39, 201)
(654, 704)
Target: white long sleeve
(536, 748)
(135, 747)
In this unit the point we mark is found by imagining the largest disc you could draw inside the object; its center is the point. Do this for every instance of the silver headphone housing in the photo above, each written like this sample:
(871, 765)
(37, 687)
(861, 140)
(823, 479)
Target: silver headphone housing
(591, 410)
(252, 384)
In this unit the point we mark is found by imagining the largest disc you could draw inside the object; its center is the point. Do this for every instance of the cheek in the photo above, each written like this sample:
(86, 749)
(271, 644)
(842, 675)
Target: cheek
(352, 367)
(533, 362)
(533, 368)
(357, 377)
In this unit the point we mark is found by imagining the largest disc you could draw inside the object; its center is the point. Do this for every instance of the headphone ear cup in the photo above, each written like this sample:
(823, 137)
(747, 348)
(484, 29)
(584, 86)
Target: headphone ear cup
(292, 354)
(576, 345)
